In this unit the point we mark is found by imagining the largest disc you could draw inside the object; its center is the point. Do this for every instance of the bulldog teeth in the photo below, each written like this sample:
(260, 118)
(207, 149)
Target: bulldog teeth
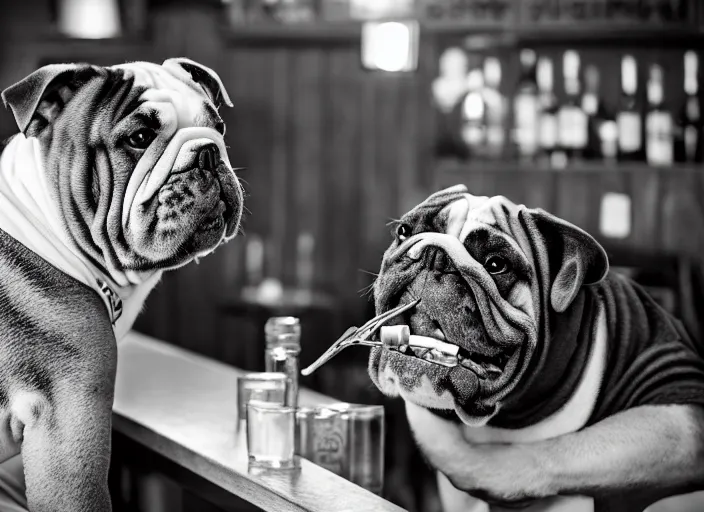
(493, 369)
(437, 357)
(483, 369)
(475, 367)
(438, 334)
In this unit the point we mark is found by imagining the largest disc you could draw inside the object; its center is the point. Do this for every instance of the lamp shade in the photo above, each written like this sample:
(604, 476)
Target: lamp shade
(89, 19)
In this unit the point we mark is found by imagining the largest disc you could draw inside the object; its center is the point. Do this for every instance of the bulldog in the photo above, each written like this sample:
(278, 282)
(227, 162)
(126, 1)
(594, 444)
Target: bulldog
(573, 390)
(118, 174)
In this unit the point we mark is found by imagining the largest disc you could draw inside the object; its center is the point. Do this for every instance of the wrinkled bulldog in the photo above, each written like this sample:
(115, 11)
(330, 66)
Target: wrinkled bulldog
(119, 174)
(552, 346)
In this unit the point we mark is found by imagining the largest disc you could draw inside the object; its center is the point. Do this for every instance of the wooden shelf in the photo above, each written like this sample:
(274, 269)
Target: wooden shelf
(479, 166)
(583, 34)
(298, 33)
(496, 34)
(55, 48)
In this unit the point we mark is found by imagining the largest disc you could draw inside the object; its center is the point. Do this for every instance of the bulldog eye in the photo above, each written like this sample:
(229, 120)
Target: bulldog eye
(141, 138)
(496, 265)
(403, 231)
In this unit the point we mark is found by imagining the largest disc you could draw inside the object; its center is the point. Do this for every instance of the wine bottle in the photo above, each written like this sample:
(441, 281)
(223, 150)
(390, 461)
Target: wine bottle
(689, 125)
(547, 132)
(495, 106)
(658, 122)
(628, 118)
(593, 107)
(473, 130)
(525, 108)
(608, 140)
(571, 119)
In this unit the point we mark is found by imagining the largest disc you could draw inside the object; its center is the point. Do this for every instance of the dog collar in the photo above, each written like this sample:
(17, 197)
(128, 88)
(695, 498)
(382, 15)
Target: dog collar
(112, 300)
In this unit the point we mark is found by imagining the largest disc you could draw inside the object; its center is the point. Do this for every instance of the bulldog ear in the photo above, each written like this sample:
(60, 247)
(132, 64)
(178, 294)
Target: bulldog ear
(204, 76)
(39, 98)
(577, 256)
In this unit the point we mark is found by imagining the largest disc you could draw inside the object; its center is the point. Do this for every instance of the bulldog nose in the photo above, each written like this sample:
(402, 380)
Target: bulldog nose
(208, 157)
(438, 260)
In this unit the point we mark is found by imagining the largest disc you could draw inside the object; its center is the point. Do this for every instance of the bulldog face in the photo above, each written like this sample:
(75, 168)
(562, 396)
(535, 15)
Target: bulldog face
(488, 274)
(134, 158)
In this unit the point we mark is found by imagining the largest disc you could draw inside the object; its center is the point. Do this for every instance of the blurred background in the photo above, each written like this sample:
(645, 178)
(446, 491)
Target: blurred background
(347, 113)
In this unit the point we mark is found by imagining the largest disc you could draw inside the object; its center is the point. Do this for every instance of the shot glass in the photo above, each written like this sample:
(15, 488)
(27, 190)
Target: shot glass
(267, 387)
(322, 437)
(270, 435)
(365, 426)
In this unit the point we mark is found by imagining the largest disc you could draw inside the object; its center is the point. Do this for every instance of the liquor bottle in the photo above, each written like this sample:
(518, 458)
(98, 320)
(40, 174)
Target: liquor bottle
(473, 129)
(658, 122)
(628, 118)
(689, 126)
(495, 108)
(283, 347)
(547, 123)
(608, 140)
(525, 108)
(448, 89)
(571, 119)
(593, 107)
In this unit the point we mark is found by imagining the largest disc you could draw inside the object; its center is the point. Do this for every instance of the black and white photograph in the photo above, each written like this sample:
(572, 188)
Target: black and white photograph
(351, 256)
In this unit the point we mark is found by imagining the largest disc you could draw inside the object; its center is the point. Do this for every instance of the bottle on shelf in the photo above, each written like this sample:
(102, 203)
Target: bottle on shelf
(448, 89)
(688, 146)
(283, 348)
(547, 120)
(659, 148)
(495, 108)
(593, 107)
(525, 108)
(628, 117)
(571, 119)
(473, 129)
(608, 140)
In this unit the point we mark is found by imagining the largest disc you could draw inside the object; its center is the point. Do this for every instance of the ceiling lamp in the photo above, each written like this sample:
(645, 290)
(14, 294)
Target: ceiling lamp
(89, 19)
(390, 46)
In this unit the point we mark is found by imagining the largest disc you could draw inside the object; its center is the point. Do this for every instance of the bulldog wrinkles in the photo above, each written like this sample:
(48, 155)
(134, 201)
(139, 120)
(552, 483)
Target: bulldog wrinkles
(117, 175)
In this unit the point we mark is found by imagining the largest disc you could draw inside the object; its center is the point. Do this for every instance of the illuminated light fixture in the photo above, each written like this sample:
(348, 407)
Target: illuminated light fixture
(89, 19)
(390, 46)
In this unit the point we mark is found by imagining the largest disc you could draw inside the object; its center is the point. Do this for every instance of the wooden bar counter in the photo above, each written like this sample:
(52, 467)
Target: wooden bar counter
(183, 407)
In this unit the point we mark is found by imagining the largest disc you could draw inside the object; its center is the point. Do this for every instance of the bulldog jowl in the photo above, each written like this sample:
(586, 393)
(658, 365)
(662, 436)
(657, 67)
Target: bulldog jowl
(200, 199)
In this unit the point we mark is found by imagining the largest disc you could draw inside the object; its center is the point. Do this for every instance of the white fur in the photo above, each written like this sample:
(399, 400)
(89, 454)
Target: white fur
(28, 214)
(570, 418)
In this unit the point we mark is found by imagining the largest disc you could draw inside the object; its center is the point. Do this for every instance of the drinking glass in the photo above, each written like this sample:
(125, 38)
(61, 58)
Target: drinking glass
(261, 386)
(365, 425)
(270, 435)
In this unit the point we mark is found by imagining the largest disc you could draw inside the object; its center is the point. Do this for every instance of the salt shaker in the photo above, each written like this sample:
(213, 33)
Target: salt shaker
(283, 346)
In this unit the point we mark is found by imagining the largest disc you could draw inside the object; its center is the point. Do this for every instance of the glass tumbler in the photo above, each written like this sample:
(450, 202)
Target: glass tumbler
(270, 435)
(268, 387)
(365, 425)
